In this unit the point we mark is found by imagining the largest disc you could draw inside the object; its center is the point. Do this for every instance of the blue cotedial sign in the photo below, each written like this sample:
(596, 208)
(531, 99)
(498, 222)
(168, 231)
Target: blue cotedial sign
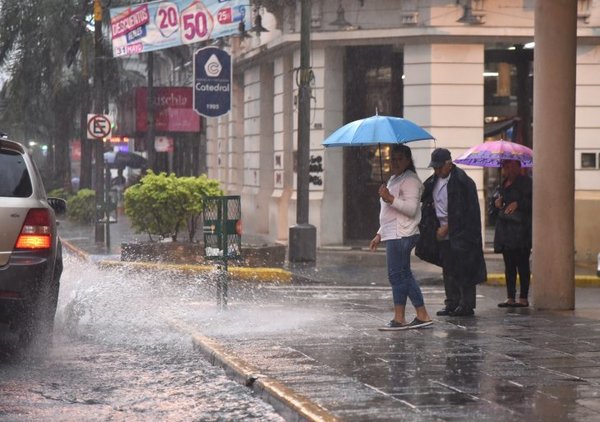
(212, 82)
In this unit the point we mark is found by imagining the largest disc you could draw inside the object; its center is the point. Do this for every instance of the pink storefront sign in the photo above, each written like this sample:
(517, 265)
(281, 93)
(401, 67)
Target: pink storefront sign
(173, 110)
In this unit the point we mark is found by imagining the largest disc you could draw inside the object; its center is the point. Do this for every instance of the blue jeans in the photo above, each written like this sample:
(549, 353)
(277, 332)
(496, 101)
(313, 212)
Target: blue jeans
(399, 273)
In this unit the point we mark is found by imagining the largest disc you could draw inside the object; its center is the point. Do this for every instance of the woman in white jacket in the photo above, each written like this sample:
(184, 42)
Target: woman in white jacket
(399, 229)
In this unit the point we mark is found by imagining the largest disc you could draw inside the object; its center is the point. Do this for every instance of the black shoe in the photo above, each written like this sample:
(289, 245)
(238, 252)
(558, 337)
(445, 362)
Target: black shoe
(393, 325)
(417, 323)
(443, 312)
(462, 311)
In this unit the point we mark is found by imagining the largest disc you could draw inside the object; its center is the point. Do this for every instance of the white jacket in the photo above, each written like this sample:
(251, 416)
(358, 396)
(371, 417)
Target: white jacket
(401, 217)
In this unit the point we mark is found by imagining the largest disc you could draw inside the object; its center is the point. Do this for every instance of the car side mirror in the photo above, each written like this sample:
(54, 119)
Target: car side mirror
(59, 205)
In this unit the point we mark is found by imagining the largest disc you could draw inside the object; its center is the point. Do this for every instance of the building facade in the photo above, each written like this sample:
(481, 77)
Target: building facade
(462, 70)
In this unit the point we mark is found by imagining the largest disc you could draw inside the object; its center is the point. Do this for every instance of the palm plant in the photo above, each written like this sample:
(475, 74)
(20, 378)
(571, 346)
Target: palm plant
(47, 57)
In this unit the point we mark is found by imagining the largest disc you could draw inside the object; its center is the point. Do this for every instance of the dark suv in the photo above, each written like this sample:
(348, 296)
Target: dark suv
(30, 250)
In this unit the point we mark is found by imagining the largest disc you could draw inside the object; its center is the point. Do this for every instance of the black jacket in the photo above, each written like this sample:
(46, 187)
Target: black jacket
(464, 224)
(516, 233)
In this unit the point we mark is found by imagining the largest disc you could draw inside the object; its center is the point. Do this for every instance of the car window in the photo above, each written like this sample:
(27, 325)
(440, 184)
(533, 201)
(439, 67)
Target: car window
(14, 177)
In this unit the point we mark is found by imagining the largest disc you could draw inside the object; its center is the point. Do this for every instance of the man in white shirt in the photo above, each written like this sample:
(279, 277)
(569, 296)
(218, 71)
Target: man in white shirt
(454, 196)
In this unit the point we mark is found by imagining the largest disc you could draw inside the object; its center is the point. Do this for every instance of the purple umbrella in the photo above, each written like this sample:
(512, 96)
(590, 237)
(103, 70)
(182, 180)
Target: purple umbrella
(493, 153)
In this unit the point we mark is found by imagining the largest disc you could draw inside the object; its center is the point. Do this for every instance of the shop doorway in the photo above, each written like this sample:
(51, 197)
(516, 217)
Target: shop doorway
(508, 105)
(373, 83)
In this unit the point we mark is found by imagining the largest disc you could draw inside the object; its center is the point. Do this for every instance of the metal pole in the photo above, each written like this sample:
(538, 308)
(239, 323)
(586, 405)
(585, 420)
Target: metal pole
(303, 236)
(107, 203)
(223, 282)
(150, 113)
(98, 109)
(304, 115)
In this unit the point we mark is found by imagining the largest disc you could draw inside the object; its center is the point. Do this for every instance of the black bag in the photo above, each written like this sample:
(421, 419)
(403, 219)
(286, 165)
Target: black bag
(427, 247)
(492, 210)
(515, 217)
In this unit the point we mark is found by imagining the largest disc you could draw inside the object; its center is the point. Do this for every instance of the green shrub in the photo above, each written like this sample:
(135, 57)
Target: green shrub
(59, 193)
(163, 204)
(81, 207)
(199, 188)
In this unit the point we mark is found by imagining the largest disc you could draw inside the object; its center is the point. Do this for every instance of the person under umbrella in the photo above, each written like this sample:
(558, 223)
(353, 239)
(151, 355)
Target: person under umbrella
(399, 220)
(510, 207)
(512, 235)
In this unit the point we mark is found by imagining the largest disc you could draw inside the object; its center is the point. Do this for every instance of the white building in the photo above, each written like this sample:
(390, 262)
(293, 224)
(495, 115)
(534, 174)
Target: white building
(461, 69)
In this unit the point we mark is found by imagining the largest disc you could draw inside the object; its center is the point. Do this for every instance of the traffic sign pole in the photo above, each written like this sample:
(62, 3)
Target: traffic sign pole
(99, 108)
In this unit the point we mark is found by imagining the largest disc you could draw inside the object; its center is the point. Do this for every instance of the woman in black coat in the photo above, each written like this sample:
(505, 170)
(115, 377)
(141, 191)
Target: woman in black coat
(512, 238)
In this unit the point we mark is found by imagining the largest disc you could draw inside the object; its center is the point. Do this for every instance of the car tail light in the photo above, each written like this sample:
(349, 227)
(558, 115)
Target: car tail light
(36, 232)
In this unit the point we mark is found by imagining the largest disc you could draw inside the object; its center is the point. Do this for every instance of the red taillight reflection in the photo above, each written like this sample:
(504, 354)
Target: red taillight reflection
(36, 232)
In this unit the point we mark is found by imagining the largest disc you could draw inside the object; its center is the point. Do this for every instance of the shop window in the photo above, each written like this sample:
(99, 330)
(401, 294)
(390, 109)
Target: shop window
(588, 160)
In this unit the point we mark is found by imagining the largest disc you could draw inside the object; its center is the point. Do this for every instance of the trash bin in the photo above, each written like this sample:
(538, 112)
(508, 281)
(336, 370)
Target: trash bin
(222, 236)
(222, 227)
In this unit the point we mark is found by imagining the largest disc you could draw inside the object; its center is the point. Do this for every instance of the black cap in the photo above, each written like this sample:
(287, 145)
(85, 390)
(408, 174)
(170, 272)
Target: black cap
(439, 156)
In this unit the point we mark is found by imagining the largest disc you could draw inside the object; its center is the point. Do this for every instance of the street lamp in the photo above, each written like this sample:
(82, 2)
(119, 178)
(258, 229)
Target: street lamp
(303, 236)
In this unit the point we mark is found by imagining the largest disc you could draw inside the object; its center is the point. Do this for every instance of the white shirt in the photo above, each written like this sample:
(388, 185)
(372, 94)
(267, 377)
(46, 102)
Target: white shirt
(401, 217)
(440, 199)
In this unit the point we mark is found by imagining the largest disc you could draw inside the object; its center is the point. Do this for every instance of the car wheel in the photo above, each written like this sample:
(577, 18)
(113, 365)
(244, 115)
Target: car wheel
(38, 321)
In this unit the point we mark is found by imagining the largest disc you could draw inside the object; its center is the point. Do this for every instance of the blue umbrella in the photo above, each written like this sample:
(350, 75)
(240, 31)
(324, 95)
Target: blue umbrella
(377, 130)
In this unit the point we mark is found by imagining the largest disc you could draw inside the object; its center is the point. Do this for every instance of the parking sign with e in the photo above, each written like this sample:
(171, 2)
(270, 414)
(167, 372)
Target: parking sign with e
(98, 126)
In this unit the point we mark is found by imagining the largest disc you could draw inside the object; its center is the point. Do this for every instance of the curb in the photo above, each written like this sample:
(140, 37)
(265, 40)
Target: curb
(580, 280)
(75, 250)
(262, 274)
(287, 403)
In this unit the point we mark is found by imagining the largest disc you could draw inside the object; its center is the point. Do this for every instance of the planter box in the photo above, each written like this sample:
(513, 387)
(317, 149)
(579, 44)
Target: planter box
(172, 253)
(193, 253)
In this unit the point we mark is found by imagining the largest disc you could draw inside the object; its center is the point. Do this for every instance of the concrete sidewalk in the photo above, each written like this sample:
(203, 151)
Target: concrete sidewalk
(312, 349)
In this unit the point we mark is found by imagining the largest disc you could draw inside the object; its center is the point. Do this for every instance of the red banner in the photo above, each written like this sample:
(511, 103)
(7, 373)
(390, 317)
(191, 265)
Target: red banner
(173, 110)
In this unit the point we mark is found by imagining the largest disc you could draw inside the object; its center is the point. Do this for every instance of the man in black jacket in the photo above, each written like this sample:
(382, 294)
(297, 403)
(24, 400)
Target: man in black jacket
(454, 197)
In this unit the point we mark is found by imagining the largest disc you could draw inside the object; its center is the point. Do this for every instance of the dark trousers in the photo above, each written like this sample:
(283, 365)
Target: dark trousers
(458, 291)
(517, 260)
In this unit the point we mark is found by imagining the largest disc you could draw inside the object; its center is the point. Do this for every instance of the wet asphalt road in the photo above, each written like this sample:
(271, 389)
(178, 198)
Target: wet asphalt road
(114, 359)
(80, 380)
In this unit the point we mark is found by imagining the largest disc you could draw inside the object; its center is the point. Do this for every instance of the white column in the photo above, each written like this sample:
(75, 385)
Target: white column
(331, 231)
(282, 148)
(251, 160)
(443, 92)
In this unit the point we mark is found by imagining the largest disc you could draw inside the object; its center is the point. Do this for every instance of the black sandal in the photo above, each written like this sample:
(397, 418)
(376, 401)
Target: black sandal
(506, 304)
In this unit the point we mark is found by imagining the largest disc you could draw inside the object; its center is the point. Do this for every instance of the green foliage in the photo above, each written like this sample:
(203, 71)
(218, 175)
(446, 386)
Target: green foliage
(47, 57)
(162, 204)
(59, 193)
(199, 188)
(82, 206)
